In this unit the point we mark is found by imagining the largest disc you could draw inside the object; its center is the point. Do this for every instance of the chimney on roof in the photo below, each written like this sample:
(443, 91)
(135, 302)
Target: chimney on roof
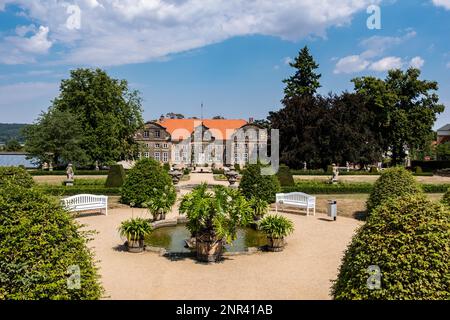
(161, 118)
(250, 120)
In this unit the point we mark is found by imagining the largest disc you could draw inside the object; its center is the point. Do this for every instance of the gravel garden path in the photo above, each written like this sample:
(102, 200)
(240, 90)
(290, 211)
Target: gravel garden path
(304, 270)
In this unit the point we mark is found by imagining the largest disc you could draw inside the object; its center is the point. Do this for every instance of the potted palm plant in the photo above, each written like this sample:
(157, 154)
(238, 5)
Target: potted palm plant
(276, 228)
(259, 207)
(161, 204)
(214, 218)
(135, 231)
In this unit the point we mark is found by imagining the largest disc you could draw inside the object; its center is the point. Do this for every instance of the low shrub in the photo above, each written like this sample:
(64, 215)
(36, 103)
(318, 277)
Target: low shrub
(408, 239)
(255, 185)
(392, 183)
(63, 173)
(16, 175)
(56, 190)
(116, 176)
(218, 171)
(146, 181)
(40, 247)
(321, 187)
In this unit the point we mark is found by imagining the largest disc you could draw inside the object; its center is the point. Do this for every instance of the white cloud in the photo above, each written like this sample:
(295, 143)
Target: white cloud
(448, 65)
(351, 64)
(417, 62)
(386, 64)
(38, 43)
(22, 48)
(114, 32)
(371, 56)
(377, 45)
(442, 3)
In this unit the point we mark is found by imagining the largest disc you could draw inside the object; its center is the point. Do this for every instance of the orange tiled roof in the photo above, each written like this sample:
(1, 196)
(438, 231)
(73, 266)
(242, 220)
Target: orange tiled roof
(181, 129)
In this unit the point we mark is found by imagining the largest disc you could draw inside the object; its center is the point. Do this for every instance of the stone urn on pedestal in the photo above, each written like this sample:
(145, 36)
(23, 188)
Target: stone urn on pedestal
(176, 176)
(231, 177)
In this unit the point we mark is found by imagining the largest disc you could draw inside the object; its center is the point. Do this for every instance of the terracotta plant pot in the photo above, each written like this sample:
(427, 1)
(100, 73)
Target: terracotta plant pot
(135, 246)
(209, 251)
(275, 244)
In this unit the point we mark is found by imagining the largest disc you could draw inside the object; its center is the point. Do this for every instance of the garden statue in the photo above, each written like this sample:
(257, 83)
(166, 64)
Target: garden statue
(50, 166)
(305, 166)
(231, 177)
(97, 168)
(347, 164)
(334, 178)
(70, 175)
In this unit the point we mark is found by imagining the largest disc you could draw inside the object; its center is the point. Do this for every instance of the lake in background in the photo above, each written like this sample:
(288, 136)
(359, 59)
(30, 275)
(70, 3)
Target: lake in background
(15, 159)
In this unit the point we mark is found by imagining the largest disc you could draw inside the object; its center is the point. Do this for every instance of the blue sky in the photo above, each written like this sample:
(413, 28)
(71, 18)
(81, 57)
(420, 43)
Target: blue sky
(231, 55)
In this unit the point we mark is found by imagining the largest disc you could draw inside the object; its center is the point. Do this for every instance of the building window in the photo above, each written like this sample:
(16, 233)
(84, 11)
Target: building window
(139, 155)
(146, 134)
(165, 145)
(165, 156)
(157, 145)
(246, 157)
(157, 134)
(146, 154)
(157, 156)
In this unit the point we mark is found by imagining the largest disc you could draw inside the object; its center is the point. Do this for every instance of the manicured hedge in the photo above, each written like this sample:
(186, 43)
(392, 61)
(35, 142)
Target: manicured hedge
(40, 244)
(433, 165)
(68, 191)
(349, 173)
(405, 242)
(319, 187)
(63, 173)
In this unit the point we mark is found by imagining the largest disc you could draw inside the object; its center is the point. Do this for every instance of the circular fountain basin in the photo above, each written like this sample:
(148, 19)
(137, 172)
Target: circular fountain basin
(173, 240)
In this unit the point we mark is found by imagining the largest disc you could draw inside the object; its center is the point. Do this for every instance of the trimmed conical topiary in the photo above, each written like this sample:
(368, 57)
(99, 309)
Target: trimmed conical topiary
(285, 176)
(392, 183)
(401, 253)
(116, 176)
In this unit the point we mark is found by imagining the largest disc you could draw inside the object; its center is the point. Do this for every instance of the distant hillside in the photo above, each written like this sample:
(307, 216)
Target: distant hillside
(11, 131)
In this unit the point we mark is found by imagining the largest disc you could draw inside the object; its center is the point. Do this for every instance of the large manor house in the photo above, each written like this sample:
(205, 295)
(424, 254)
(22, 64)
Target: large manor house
(195, 142)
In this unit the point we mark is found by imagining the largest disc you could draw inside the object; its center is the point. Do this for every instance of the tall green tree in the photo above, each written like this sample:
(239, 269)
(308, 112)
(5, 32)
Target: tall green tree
(109, 113)
(56, 136)
(305, 80)
(406, 109)
(13, 145)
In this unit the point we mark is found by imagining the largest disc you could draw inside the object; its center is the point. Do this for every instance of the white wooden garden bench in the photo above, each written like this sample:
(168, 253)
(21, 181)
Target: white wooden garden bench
(84, 202)
(297, 199)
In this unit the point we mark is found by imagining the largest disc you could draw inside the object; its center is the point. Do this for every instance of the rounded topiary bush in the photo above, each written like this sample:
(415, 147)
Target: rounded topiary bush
(408, 239)
(147, 181)
(285, 176)
(255, 185)
(392, 183)
(17, 176)
(116, 176)
(39, 246)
